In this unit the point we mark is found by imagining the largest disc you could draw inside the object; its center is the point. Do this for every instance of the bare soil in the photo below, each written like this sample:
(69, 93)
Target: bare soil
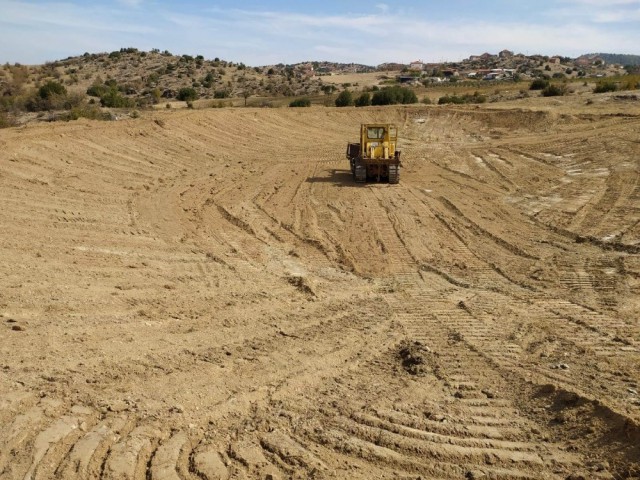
(208, 295)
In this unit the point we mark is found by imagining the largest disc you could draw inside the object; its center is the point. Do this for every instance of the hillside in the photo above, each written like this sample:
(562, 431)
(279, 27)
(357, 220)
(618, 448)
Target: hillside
(620, 59)
(151, 76)
(91, 85)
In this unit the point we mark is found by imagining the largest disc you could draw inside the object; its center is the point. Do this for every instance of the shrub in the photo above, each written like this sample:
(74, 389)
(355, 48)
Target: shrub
(466, 98)
(5, 120)
(91, 112)
(344, 99)
(220, 94)
(539, 84)
(554, 90)
(114, 99)
(208, 80)
(364, 100)
(187, 94)
(631, 82)
(427, 101)
(301, 102)
(51, 96)
(74, 100)
(605, 86)
(97, 90)
(394, 95)
(50, 89)
(328, 89)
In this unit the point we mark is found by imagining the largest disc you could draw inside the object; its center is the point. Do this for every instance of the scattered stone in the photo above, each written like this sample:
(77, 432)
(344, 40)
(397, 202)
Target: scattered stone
(118, 406)
(490, 459)
(177, 409)
(17, 328)
(475, 475)
(303, 284)
(632, 391)
(488, 393)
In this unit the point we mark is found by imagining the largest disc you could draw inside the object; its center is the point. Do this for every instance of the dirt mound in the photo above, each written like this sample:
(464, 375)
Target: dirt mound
(413, 356)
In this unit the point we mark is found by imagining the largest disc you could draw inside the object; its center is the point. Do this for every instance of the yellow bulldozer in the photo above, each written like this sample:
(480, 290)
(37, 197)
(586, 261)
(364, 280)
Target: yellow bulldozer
(375, 157)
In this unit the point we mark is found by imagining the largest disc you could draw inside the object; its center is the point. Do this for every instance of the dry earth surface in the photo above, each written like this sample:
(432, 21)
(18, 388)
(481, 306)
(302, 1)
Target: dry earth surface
(208, 295)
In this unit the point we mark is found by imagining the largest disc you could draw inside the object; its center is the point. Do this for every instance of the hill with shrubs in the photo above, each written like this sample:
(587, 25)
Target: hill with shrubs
(93, 85)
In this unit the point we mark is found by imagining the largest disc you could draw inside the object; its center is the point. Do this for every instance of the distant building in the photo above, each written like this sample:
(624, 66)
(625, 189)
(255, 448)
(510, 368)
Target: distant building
(587, 61)
(417, 65)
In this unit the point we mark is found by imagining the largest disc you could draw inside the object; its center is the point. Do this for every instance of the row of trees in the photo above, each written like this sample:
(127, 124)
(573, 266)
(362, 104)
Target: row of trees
(387, 96)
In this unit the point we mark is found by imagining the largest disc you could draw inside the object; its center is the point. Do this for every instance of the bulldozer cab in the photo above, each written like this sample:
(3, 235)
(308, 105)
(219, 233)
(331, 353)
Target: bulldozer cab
(378, 141)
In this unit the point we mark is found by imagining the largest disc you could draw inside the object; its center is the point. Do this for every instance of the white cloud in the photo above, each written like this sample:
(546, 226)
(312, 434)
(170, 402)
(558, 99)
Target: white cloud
(46, 16)
(596, 11)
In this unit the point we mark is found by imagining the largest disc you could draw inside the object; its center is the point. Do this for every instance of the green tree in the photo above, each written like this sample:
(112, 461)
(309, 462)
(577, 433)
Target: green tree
(364, 100)
(554, 90)
(187, 94)
(605, 86)
(394, 95)
(344, 99)
(539, 84)
(300, 102)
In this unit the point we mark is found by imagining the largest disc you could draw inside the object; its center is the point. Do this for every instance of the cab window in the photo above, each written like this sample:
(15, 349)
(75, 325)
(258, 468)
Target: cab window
(375, 133)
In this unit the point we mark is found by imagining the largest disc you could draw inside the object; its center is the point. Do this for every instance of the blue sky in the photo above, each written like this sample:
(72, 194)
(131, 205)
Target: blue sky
(267, 32)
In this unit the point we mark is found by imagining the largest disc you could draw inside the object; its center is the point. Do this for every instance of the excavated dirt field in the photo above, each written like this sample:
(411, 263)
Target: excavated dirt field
(208, 295)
